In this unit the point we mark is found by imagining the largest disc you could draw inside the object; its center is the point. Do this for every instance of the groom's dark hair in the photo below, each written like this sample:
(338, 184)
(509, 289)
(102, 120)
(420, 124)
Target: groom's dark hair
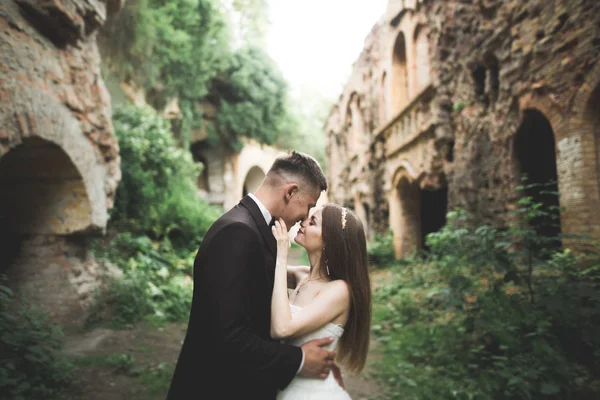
(301, 166)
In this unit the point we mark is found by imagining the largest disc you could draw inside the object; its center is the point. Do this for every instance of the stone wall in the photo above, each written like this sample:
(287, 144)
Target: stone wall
(51, 88)
(59, 157)
(500, 59)
(229, 175)
(457, 100)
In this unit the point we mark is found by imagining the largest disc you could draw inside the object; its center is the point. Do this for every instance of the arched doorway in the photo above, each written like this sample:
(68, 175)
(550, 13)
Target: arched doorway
(254, 178)
(421, 59)
(42, 190)
(535, 153)
(593, 116)
(197, 149)
(415, 213)
(434, 207)
(43, 202)
(399, 87)
(405, 213)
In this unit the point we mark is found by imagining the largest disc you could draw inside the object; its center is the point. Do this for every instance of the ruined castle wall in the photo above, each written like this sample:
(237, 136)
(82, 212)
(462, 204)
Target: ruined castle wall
(449, 92)
(540, 55)
(51, 88)
(59, 157)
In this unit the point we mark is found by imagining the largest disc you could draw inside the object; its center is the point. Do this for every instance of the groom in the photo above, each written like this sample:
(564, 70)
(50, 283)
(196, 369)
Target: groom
(228, 352)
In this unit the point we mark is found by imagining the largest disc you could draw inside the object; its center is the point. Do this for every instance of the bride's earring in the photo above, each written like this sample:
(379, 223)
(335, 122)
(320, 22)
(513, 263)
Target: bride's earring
(326, 265)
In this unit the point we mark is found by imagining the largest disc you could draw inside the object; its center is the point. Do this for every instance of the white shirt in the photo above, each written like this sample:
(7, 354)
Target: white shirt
(267, 215)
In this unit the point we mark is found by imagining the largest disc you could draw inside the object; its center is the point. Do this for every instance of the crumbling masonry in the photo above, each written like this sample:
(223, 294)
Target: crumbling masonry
(450, 102)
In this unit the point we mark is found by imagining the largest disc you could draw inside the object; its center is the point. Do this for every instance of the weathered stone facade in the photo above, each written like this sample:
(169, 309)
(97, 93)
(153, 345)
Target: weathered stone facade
(456, 100)
(59, 158)
(229, 175)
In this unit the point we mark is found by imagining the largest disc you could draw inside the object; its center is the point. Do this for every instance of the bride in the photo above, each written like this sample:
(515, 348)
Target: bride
(332, 297)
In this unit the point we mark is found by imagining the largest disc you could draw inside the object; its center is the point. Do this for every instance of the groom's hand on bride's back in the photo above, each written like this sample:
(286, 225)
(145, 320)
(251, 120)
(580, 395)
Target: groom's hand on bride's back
(317, 361)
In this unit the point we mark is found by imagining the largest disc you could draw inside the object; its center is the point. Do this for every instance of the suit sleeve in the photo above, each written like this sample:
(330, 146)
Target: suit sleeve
(227, 271)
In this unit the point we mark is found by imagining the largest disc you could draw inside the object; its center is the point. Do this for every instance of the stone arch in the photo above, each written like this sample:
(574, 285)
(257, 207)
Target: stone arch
(534, 149)
(586, 92)
(592, 117)
(421, 66)
(586, 108)
(415, 210)
(580, 151)
(399, 88)
(54, 123)
(253, 179)
(405, 213)
(43, 201)
(42, 190)
(198, 154)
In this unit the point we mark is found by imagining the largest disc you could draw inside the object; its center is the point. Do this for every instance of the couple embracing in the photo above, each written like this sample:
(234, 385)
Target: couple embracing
(247, 338)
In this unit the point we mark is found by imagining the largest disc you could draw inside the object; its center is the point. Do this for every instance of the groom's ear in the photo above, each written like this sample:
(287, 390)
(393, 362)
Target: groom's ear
(290, 190)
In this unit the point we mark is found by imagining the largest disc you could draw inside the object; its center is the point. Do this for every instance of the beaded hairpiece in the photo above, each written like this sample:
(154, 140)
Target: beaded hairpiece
(344, 212)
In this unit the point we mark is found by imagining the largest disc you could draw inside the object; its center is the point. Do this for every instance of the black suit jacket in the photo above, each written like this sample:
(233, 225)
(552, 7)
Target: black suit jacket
(228, 352)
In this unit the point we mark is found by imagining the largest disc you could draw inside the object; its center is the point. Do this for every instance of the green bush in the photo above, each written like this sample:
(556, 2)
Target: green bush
(156, 281)
(491, 314)
(381, 250)
(157, 195)
(251, 98)
(156, 227)
(32, 365)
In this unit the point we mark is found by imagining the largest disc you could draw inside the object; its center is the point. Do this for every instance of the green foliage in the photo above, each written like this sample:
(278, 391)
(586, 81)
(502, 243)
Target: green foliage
(32, 365)
(381, 250)
(169, 48)
(251, 98)
(183, 49)
(156, 227)
(491, 314)
(157, 195)
(156, 282)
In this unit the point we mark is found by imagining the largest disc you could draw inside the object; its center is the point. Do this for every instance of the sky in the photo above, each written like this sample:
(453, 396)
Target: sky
(315, 42)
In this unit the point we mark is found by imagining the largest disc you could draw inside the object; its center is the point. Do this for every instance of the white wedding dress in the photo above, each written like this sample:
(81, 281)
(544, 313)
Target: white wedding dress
(315, 389)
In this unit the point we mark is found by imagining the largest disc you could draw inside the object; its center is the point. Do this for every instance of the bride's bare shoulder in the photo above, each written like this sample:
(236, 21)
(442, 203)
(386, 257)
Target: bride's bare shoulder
(338, 288)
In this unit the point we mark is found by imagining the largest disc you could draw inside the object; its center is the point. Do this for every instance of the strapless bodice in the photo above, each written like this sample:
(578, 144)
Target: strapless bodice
(315, 389)
(327, 330)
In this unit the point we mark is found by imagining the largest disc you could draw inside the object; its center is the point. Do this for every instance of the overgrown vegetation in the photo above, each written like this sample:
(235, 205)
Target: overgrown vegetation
(157, 195)
(32, 365)
(157, 224)
(492, 314)
(381, 250)
(189, 50)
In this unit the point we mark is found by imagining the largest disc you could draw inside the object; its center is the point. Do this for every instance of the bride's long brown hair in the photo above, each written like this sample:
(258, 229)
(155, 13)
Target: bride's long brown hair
(345, 257)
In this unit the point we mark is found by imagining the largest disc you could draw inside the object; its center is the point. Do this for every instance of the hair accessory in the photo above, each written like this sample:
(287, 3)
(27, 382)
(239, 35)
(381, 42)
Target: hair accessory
(344, 212)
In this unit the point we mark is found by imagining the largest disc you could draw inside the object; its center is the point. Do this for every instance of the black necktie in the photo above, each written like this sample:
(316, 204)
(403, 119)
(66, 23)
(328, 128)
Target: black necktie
(272, 224)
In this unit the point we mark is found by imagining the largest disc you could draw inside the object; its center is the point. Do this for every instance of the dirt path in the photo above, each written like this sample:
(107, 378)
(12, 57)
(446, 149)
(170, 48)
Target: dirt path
(137, 364)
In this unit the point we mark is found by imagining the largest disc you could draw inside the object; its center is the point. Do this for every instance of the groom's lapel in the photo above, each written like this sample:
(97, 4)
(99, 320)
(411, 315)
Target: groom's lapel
(264, 229)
